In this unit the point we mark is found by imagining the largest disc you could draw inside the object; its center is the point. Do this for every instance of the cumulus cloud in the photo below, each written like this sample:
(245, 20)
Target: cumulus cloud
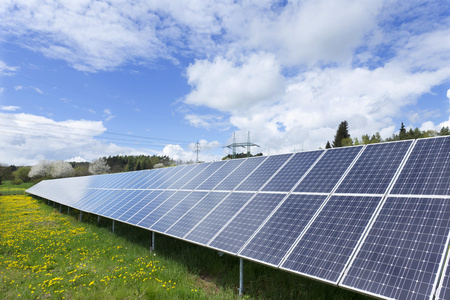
(25, 139)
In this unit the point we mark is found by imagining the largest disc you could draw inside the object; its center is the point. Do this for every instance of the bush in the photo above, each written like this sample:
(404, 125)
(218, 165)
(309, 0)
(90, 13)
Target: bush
(17, 181)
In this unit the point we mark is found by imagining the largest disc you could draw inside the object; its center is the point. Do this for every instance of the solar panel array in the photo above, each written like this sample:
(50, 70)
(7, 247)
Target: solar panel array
(374, 218)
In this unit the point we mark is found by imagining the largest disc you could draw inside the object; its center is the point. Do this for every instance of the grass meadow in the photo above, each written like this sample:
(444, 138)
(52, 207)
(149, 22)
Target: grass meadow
(45, 254)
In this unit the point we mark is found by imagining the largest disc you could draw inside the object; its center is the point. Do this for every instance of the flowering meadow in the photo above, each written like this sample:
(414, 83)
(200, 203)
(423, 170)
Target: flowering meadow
(45, 254)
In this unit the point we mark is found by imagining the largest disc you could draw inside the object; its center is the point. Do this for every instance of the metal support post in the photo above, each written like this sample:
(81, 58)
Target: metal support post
(241, 277)
(153, 241)
(81, 216)
(98, 219)
(114, 223)
(54, 203)
(60, 208)
(68, 210)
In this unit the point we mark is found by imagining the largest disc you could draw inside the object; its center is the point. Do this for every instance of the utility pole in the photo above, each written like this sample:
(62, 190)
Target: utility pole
(197, 149)
(243, 145)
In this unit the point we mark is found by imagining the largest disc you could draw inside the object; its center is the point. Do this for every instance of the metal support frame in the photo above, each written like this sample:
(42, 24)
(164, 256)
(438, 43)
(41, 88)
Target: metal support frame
(114, 225)
(60, 208)
(68, 210)
(98, 219)
(81, 216)
(54, 203)
(153, 241)
(241, 276)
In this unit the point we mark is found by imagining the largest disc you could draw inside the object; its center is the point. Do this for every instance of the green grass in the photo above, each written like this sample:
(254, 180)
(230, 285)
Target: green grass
(7, 188)
(47, 255)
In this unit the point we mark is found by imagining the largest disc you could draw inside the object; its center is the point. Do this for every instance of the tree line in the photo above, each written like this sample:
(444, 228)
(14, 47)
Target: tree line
(342, 137)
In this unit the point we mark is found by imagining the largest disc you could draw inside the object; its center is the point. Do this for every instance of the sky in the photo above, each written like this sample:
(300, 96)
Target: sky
(84, 79)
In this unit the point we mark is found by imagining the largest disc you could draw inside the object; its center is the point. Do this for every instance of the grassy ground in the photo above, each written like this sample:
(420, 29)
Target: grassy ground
(48, 255)
(7, 188)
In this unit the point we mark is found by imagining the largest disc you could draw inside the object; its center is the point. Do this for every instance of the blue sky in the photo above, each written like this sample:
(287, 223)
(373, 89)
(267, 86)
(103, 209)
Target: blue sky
(84, 79)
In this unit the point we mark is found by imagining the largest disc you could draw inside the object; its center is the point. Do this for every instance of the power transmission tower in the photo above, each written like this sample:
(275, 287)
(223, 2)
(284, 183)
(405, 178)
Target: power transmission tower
(197, 149)
(234, 145)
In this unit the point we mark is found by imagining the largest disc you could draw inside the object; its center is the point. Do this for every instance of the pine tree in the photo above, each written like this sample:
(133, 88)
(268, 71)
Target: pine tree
(328, 146)
(341, 133)
(402, 134)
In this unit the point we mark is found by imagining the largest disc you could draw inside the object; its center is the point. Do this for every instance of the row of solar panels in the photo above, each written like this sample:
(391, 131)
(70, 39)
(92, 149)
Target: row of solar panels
(372, 218)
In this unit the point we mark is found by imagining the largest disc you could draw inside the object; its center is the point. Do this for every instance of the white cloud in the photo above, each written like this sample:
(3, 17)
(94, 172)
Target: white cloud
(20, 88)
(448, 94)
(25, 139)
(225, 85)
(107, 114)
(6, 70)
(207, 121)
(10, 108)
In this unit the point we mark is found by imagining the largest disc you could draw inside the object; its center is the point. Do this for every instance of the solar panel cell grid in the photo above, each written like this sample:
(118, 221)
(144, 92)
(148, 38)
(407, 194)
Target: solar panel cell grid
(444, 291)
(140, 201)
(195, 215)
(149, 207)
(186, 170)
(325, 248)
(401, 255)
(275, 238)
(328, 170)
(125, 203)
(240, 173)
(222, 173)
(427, 170)
(161, 210)
(202, 176)
(266, 170)
(291, 173)
(204, 231)
(178, 211)
(375, 168)
(241, 228)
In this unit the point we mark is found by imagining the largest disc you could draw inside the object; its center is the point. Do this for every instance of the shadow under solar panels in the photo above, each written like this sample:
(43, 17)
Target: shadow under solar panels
(326, 247)
(401, 255)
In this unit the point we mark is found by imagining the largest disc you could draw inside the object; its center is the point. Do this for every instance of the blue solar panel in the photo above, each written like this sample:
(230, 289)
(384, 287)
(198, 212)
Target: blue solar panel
(213, 222)
(107, 202)
(95, 200)
(375, 168)
(325, 248)
(149, 207)
(443, 293)
(139, 202)
(162, 176)
(188, 177)
(328, 170)
(275, 238)
(216, 178)
(147, 176)
(291, 173)
(240, 173)
(241, 228)
(265, 171)
(202, 176)
(123, 205)
(196, 214)
(187, 171)
(178, 211)
(161, 210)
(401, 255)
(427, 170)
